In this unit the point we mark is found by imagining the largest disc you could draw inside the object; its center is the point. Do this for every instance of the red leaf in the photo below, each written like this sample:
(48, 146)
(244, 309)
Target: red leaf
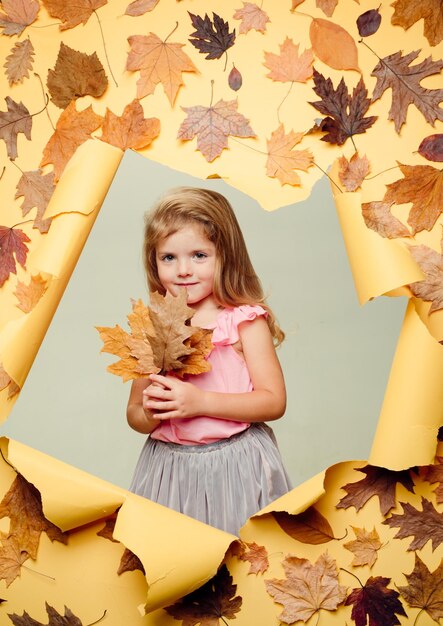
(368, 22)
(12, 249)
(376, 602)
(235, 79)
(432, 147)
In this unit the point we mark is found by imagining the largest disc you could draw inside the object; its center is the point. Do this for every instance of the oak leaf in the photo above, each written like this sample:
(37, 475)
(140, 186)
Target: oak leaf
(36, 189)
(423, 186)
(282, 159)
(23, 505)
(289, 65)
(307, 588)
(72, 13)
(252, 18)
(365, 547)
(210, 37)
(13, 121)
(73, 128)
(308, 527)
(131, 129)
(430, 288)
(19, 61)
(29, 295)
(408, 12)
(333, 45)
(209, 604)
(378, 482)
(346, 114)
(12, 558)
(55, 618)
(129, 563)
(378, 217)
(17, 14)
(158, 62)
(423, 525)
(353, 172)
(256, 555)
(395, 72)
(140, 7)
(431, 147)
(75, 74)
(377, 602)
(369, 22)
(212, 126)
(425, 589)
(13, 250)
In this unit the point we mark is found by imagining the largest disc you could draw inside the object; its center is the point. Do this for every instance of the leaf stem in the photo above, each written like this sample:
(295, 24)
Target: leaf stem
(34, 571)
(394, 167)
(47, 97)
(226, 60)
(212, 92)
(332, 181)
(351, 137)
(3, 171)
(302, 13)
(20, 223)
(418, 615)
(99, 619)
(104, 46)
(172, 31)
(48, 25)
(223, 620)
(348, 572)
(8, 462)
(279, 106)
(17, 166)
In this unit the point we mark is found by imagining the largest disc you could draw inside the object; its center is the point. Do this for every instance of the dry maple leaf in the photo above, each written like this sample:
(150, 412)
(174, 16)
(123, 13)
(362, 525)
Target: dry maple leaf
(333, 45)
(131, 129)
(13, 249)
(352, 173)
(29, 295)
(425, 589)
(209, 37)
(12, 558)
(430, 288)
(308, 527)
(17, 14)
(423, 186)
(13, 121)
(55, 618)
(73, 128)
(75, 74)
(23, 505)
(408, 12)
(158, 62)
(72, 13)
(19, 61)
(375, 601)
(365, 547)
(282, 159)
(307, 588)
(209, 604)
(256, 555)
(378, 217)
(395, 72)
(36, 189)
(423, 525)
(195, 362)
(129, 563)
(431, 147)
(289, 66)
(434, 474)
(378, 482)
(140, 7)
(252, 18)
(212, 126)
(346, 114)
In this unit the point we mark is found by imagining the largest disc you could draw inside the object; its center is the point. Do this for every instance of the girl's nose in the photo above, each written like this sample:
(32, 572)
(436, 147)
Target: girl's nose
(184, 267)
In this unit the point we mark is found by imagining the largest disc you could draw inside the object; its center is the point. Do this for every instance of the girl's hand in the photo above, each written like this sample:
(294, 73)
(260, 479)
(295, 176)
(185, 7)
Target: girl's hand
(171, 398)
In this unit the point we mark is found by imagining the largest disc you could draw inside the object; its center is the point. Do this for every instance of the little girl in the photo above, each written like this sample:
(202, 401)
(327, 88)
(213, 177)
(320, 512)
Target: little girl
(209, 454)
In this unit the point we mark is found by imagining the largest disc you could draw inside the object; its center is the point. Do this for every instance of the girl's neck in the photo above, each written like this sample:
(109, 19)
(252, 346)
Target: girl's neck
(206, 312)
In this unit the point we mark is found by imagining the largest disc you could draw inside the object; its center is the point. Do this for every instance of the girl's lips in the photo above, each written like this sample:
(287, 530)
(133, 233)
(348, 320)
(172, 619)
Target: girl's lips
(185, 284)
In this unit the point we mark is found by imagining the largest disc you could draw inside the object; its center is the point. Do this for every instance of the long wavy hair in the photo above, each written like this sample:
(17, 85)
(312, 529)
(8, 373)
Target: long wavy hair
(235, 280)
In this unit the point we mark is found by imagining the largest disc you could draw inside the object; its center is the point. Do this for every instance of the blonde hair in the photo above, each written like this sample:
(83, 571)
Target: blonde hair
(235, 280)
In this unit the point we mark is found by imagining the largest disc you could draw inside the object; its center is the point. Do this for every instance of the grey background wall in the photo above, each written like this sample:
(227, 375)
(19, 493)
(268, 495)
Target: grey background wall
(336, 357)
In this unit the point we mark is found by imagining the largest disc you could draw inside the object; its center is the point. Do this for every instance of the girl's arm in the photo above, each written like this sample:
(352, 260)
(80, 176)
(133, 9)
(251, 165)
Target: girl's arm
(138, 415)
(266, 402)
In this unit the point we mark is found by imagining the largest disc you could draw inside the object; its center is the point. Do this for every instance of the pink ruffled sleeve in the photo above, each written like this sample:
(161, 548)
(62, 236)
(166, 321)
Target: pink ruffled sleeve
(226, 330)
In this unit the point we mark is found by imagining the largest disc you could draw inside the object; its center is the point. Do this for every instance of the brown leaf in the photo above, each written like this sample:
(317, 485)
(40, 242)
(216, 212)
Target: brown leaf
(308, 527)
(140, 7)
(282, 159)
(129, 563)
(434, 474)
(19, 61)
(23, 505)
(327, 6)
(375, 601)
(333, 45)
(365, 547)
(12, 249)
(252, 552)
(55, 618)
(209, 604)
(408, 12)
(395, 72)
(211, 37)
(107, 532)
(200, 344)
(37, 189)
(423, 186)
(432, 147)
(425, 589)
(212, 126)
(289, 66)
(72, 13)
(12, 558)
(352, 173)
(378, 217)
(29, 295)
(13, 121)
(158, 62)
(430, 288)
(73, 128)
(378, 482)
(368, 22)
(252, 18)
(235, 79)
(307, 588)
(423, 525)
(17, 14)
(75, 74)
(132, 129)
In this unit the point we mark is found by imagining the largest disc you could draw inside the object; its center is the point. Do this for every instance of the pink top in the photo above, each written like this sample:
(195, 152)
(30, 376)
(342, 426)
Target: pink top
(228, 374)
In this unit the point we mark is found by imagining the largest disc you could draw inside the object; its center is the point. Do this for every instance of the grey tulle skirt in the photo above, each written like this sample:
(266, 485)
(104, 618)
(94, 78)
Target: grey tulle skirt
(221, 483)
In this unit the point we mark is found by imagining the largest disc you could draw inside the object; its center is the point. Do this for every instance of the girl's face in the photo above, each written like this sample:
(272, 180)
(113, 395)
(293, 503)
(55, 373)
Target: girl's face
(186, 260)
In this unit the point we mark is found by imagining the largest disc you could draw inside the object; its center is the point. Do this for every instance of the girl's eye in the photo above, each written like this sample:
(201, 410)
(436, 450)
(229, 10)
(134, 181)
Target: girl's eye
(167, 257)
(200, 255)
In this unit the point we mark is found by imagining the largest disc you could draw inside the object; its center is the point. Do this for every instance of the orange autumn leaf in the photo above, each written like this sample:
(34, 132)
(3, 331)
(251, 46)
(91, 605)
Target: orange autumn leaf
(365, 547)
(408, 12)
(131, 129)
(36, 189)
(12, 558)
(352, 173)
(19, 62)
(29, 295)
(289, 66)
(158, 62)
(73, 128)
(17, 14)
(425, 589)
(200, 344)
(430, 288)
(72, 13)
(252, 18)
(378, 217)
(140, 7)
(333, 45)
(282, 159)
(256, 555)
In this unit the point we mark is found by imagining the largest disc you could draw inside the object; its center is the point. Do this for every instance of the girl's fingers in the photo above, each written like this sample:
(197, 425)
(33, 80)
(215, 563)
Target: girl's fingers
(157, 392)
(162, 405)
(163, 380)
